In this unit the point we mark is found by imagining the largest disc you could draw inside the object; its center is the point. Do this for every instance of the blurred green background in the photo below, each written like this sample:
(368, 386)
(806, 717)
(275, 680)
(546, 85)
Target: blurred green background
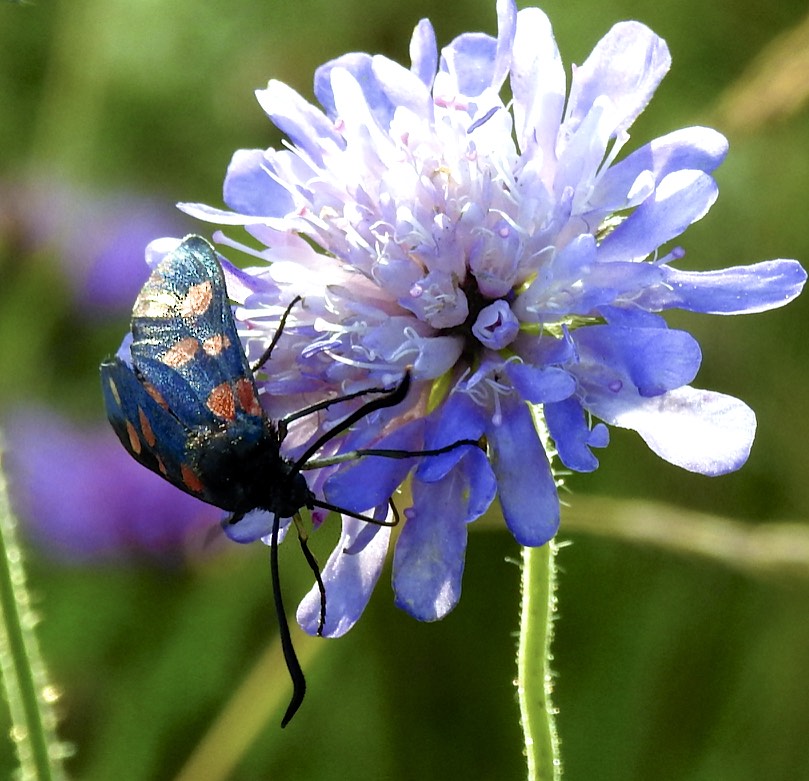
(670, 666)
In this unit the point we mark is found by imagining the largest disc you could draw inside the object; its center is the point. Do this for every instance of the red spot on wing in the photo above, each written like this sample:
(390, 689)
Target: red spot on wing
(134, 440)
(181, 353)
(146, 428)
(248, 400)
(197, 300)
(155, 394)
(191, 481)
(214, 345)
(222, 402)
(114, 391)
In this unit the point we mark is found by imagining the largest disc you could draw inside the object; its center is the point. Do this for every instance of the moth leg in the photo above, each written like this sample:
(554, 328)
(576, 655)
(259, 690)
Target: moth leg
(303, 539)
(359, 516)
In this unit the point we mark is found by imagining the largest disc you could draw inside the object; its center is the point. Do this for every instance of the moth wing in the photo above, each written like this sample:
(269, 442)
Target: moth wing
(151, 434)
(185, 340)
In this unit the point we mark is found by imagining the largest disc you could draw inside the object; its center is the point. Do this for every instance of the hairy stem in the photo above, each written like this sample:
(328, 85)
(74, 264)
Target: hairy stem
(27, 689)
(534, 677)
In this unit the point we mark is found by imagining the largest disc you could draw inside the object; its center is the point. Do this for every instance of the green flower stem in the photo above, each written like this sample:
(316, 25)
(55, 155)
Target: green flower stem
(27, 690)
(534, 677)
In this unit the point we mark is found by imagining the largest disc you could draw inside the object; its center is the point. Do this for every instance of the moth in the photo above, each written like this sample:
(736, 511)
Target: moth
(186, 406)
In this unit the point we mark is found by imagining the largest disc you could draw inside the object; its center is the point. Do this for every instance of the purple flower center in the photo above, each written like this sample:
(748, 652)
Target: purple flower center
(496, 326)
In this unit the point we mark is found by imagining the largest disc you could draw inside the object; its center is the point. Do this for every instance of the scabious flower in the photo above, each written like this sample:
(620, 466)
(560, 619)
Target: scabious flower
(506, 253)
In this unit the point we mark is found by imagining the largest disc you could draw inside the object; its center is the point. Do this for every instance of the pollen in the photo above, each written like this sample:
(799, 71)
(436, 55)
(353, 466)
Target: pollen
(191, 481)
(146, 428)
(222, 402)
(197, 300)
(134, 441)
(181, 353)
(248, 400)
(214, 345)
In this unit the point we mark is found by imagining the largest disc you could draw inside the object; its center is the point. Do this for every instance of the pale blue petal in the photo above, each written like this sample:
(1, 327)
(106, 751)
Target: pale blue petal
(537, 82)
(256, 525)
(249, 189)
(567, 424)
(225, 217)
(359, 65)
(424, 52)
(526, 487)
(546, 351)
(631, 317)
(428, 561)
(459, 417)
(692, 148)
(371, 480)
(541, 385)
(349, 579)
(402, 87)
(481, 482)
(468, 60)
(560, 287)
(506, 32)
(653, 359)
(730, 291)
(701, 431)
(680, 199)
(305, 125)
(478, 62)
(626, 65)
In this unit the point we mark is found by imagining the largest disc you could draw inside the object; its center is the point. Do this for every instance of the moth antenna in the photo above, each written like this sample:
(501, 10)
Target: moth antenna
(283, 423)
(353, 455)
(392, 397)
(265, 356)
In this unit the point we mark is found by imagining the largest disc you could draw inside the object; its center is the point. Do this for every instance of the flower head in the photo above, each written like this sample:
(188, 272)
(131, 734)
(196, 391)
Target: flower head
(505, 253)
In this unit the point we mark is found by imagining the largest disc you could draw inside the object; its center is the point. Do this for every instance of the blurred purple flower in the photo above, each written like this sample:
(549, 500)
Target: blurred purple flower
(106, 506)
(99, 239)
(505, 253)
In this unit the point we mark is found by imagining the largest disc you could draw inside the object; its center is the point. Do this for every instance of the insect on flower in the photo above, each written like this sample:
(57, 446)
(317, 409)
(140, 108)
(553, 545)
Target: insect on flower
(186, 407)
(479, 215)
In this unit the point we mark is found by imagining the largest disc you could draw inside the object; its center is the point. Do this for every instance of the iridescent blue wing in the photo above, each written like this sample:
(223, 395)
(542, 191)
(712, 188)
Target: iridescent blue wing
(148, 430)
(185, 341)
(187, 406)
